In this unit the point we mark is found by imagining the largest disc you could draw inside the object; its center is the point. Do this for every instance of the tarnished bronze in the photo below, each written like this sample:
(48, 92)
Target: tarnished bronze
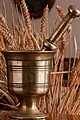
(28, 75)
(50, 44)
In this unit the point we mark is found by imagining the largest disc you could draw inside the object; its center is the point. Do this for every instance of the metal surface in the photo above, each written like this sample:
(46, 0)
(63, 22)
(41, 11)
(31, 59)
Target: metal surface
(50, 44)
(28, 75)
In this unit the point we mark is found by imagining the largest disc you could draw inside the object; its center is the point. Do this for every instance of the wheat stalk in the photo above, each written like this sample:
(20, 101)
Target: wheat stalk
(26, 15)
(44, 22)
(2, 45)
(9, 41)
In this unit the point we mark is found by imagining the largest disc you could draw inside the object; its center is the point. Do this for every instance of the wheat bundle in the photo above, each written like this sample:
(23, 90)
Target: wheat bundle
(62, 100)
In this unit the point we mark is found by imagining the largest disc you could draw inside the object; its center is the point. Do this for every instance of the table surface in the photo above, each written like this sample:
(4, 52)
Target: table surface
(5, 115)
